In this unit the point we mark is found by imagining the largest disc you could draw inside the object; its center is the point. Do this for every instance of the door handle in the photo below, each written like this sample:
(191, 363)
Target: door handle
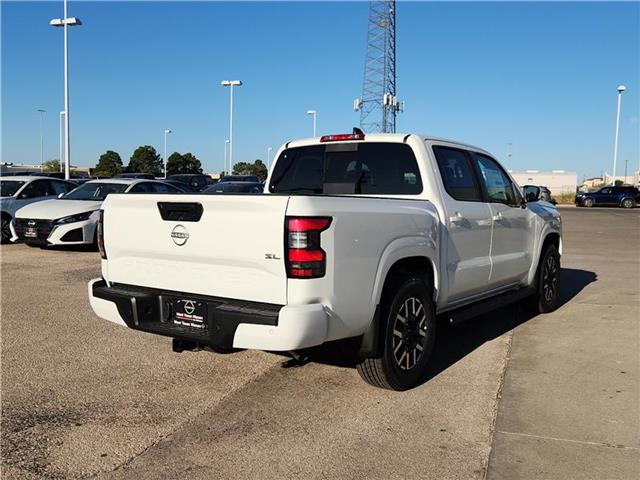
(497, 217)
(456, 218)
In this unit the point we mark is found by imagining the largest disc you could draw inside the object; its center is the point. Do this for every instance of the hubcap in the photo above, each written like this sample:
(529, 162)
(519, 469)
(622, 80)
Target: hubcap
(550, 279)
(409, 333)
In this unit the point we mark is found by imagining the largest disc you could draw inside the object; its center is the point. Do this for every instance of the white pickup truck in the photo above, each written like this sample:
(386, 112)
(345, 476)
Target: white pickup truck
(372, 236)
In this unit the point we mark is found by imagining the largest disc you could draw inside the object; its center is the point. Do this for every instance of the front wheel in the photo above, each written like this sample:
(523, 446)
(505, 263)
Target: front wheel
(589, 202)
(5, 229)
(408, 339)
(547, 286)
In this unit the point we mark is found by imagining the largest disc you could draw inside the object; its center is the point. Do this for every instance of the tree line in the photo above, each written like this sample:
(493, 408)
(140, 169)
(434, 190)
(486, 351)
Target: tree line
(145, 159)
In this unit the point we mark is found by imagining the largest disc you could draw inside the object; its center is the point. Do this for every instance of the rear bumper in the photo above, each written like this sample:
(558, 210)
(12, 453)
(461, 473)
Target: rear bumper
(230, 323)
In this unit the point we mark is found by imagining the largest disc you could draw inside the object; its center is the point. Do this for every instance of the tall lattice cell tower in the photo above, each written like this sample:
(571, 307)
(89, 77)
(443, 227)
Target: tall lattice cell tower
(379, 105)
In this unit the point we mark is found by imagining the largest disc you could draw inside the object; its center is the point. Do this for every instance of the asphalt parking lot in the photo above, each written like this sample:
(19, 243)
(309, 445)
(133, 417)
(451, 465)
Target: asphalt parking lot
(508, 396)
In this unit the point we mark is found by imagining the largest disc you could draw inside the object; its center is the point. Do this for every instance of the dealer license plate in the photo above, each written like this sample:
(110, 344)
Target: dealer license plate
(190, 313)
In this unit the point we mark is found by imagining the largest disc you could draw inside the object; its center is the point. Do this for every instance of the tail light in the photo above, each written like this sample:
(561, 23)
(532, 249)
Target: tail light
(100, 235)
(342, 137)
(305, 257)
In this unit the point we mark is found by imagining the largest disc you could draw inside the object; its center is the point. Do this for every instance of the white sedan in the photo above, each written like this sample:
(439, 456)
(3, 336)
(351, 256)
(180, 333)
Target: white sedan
(72, 218)
(19, 191)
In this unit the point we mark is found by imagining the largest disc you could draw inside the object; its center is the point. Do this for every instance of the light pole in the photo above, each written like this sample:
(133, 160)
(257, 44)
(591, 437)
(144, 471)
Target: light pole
(314, 113)
(166, 132)
(226, 144)
(61, 144)
(231, 83)
(66, 22)
(269, 158)
(42, 112)
(621, 88)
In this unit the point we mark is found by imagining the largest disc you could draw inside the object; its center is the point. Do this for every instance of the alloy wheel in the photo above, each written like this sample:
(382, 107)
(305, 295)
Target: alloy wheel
(409, 333)
(550, 279)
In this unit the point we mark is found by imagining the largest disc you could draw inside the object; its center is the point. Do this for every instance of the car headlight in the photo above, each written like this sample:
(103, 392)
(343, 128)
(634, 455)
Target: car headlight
(74, 218)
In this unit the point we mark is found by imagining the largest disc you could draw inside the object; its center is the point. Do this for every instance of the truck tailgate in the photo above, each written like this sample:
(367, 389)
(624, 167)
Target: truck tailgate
(235, 249)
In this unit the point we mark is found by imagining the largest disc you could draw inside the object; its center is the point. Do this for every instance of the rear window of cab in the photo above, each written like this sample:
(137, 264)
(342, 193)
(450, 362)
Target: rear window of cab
(371, 168)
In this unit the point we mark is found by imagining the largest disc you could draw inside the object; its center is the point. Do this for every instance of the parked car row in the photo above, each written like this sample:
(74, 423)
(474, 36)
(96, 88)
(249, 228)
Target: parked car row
(45, 211)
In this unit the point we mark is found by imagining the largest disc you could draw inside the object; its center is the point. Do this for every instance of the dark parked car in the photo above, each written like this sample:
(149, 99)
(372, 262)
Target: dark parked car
(626, 197)
(183, 187)
(197, 181)
(240, 178)
(234, 187)
(139, 176)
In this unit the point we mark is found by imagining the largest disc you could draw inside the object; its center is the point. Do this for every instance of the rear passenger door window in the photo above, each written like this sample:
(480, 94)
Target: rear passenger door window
(143, 187)
(497, 184)
(36, 189)
(457, 174)
(164, 188)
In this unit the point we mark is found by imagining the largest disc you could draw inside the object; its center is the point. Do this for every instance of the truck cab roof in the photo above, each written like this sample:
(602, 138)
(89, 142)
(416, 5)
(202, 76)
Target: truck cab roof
(385, 137)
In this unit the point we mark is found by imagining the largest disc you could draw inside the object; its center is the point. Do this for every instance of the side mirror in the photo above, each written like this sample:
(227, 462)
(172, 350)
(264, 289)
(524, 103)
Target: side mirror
(531, 193)
(23, 196)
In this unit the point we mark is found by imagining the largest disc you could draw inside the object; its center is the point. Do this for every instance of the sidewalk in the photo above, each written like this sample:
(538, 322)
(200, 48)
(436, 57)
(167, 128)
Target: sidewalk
(569, 404)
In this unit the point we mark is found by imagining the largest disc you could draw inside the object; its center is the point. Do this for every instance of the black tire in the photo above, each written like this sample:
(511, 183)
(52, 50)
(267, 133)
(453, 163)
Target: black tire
(628, 203)
(5, 229)
(408, 339)
(589, 202)
(547, 286)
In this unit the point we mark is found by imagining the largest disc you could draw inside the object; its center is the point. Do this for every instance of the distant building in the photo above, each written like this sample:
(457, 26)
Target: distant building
(558, 181)
(592, 184)
(633, 178)
(18, 169)
(26, 169)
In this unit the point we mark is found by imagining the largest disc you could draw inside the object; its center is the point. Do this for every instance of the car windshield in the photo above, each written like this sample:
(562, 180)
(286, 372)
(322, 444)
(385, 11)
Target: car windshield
(8, 188)
(95, 191)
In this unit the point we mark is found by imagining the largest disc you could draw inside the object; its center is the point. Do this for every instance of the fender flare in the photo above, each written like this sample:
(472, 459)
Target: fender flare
(548, 229)
(399, 249)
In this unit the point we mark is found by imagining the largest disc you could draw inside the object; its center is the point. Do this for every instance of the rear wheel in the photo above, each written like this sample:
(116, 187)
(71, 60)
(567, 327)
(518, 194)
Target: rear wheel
(628, 203)
(5, 228)
(545, 299)
(408, 338)
(589, 202)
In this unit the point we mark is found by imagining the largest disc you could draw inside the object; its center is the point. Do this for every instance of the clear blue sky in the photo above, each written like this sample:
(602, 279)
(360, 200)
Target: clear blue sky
(540, 75)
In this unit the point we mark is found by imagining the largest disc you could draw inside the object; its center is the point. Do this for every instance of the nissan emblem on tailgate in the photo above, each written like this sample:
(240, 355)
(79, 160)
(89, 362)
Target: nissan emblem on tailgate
(179, 235)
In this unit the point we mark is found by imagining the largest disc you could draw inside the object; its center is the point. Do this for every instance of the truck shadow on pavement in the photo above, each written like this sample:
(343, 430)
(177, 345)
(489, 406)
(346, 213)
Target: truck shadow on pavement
(454, 342)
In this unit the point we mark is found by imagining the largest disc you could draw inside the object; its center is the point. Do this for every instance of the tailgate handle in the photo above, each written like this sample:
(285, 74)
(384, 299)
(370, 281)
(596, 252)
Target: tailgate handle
(180, 212)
